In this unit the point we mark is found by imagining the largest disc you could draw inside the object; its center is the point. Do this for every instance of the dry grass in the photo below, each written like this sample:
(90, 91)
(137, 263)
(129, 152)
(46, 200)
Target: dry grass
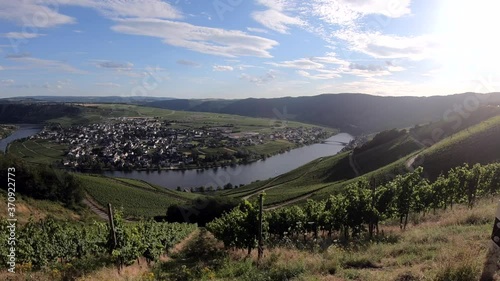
(445, 245)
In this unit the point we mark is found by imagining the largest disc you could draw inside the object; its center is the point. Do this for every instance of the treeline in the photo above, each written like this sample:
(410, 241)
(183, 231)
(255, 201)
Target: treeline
(41, 181)
(35, 112)
(362, 206)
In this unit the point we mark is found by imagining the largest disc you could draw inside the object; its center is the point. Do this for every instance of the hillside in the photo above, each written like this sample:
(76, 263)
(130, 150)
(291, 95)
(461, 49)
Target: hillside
(388, 154)
(353, 113)
(477, 144)
(136, 198)
(326, 172)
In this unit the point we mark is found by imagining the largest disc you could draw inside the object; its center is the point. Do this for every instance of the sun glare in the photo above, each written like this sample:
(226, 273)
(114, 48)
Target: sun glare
(467, 32)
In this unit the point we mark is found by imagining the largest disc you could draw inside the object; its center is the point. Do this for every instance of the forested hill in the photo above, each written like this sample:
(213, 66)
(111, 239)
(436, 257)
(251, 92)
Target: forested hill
(35, 112)
(354, 113)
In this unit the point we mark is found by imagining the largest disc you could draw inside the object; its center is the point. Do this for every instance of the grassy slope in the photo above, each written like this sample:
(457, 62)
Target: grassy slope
(27, 208)
(478, 144)
(137, 198)
(325, 175)
(385, 154)
(298, 182)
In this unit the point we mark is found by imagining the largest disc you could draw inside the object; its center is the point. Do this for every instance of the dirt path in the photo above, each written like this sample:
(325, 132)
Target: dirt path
(179, 247)
(266, 187)
(409, 163)
(288, 202)
(353, 165)
(269, 186)
(95, 207)
(138, 270)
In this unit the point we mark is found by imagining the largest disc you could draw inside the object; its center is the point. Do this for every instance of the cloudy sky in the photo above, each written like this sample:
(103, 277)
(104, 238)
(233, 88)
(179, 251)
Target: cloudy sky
(247, 48)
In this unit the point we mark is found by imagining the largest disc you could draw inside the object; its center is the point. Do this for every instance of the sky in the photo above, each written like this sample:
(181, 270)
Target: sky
(235, 49)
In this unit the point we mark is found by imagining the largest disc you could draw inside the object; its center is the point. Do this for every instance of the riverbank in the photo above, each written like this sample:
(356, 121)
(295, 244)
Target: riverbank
(239, 174)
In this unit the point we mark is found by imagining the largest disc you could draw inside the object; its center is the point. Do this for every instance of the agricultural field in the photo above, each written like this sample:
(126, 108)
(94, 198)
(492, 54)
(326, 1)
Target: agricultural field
(38, 151)
(136, 198)
(98, 113)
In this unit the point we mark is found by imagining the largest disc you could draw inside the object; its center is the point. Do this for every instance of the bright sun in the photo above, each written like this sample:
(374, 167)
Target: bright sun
(468, 35)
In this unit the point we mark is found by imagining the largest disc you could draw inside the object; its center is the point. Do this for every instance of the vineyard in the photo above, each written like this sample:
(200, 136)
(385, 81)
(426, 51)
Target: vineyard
(52, 244)
(360, 208)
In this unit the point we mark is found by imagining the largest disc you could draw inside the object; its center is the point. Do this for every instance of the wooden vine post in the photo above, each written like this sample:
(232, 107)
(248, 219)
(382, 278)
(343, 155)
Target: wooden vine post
(261, 242)
(493, 255)
(112, 227)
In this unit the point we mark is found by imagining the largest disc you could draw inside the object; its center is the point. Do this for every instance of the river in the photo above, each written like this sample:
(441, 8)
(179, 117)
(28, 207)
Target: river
(24, 131)
(241, 174)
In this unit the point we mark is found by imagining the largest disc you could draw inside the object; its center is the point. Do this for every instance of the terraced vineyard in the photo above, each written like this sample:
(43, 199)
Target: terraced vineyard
(137, 198)
(38, 151)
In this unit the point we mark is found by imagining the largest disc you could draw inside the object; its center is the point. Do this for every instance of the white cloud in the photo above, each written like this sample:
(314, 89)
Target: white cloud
(320, 74)
(118, 66)
(275, 20)
(329, 58)
(30, 63)
(46, 13)
(188, 63)
(108, 84)
(257, 30)
(303, 63)
(22, 35)
(1, 67)
(376, 86)
(130, 8)
(222, 68)
(275, 16)
(18, 55)
(6, 82)
(208, 40)
(346, 12)
(33, 13)
(378, 45)
(262, 79)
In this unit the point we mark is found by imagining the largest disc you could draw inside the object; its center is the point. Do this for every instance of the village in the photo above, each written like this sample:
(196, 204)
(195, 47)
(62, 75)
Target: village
(153, 143)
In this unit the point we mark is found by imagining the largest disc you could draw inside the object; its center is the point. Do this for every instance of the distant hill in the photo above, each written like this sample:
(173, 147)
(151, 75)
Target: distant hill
(353, 113)
(89, 99)
(35, 113)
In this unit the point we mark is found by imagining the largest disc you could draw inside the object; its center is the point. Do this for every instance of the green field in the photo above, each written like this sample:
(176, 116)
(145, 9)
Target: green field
(137, 198)
(98, 113)
(38, 151)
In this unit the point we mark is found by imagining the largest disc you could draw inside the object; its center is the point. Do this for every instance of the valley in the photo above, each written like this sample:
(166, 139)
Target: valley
(428, 157)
